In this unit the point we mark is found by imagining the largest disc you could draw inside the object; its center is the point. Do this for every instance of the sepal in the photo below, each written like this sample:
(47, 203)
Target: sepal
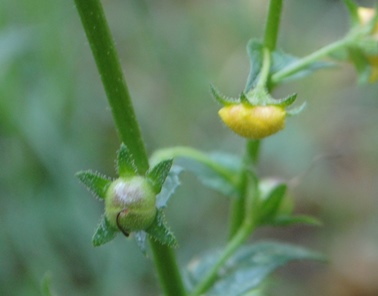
(95, 182)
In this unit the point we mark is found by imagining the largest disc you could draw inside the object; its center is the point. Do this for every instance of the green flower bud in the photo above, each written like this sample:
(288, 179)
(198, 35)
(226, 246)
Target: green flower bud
(130, 204)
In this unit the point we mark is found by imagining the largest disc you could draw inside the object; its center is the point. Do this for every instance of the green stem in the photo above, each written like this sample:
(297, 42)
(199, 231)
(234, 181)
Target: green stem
(105, 55)
(167, 269)
(272, 24)
(304, 62)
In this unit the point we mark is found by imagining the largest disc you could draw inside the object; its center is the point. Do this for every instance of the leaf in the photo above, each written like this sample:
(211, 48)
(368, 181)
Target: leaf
(269, 206)
(218, 171)
(126, 162)
(353, 11)
(158, 174)
(169, 187)
(104, 233)
(255, 54)
(282, 60)
(160, 231)
(296, 110)
(248, 268)
(361, 64)
(95, 182)
(285, 220)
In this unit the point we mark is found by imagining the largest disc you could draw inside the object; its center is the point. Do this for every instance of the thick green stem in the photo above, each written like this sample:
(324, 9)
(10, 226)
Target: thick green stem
(105, 55)
(272, 24)
(167, 269)
(304, 62)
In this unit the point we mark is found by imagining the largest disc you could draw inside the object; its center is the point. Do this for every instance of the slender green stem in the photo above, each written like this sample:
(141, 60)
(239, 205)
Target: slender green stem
(167, 269)
(304, 62)
(104, 52)
(272, 24)
(105, 55)
(265, 69)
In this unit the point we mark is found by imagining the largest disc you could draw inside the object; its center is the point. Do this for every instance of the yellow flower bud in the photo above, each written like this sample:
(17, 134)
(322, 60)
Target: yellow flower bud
(365, 15)
(253, 122)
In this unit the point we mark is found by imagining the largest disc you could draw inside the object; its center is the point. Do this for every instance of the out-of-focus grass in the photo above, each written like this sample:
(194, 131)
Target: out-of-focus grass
(54, 121)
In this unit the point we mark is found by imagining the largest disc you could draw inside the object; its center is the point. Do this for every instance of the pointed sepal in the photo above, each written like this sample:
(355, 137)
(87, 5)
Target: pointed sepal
(140, 239)
(289, 100)
(95, 182)
(296, 110)
(126, 163)
(160, 231)
(157, 175)
(222, 99)
(104, 233)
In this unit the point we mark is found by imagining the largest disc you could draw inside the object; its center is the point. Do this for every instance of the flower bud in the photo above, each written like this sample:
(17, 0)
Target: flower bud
(253, 122)
(130, 204)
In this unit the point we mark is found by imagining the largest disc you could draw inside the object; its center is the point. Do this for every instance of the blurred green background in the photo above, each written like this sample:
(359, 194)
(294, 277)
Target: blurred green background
(55, 121)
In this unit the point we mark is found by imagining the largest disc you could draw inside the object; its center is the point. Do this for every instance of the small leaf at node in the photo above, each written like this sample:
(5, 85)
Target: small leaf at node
(94, 182)
(255, 53)
(104, 233)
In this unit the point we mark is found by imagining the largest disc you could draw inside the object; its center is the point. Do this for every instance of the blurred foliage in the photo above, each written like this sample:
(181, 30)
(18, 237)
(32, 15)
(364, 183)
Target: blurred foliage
(54, 121)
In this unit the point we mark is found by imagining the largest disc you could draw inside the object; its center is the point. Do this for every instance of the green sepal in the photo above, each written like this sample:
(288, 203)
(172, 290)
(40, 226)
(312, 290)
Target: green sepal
(255, 54)
(160, 231)
(244, 99)
(126, 163)
(157, 175)
(361, 64)
(296, 110)
(289, 100)
(104, 233)
(286, 220)
(352, 10)
(270, 205)
(222, 99)
(95, 182)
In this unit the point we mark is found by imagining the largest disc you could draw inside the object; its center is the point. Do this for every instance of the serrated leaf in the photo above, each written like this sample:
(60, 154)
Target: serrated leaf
(255, 54)
(104, 233)
(270, 205)
(248, 268)
(160, 231)
(95, 182)
(126, 162)
(218, 171)
(171, 183)
(286, 220)
(157, 175)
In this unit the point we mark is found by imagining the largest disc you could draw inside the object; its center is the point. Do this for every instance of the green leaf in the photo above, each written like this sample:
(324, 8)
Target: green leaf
(46, 285)
(282, 60)
(286, 220)
(218, 171)
(95, 182)
(289, 100)
(126, 163)
(169, 187)
(255, 54)
(158, 174)
(270, 205)
(160, 231)
(104, 233)
(248, 268)
(296, 110)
